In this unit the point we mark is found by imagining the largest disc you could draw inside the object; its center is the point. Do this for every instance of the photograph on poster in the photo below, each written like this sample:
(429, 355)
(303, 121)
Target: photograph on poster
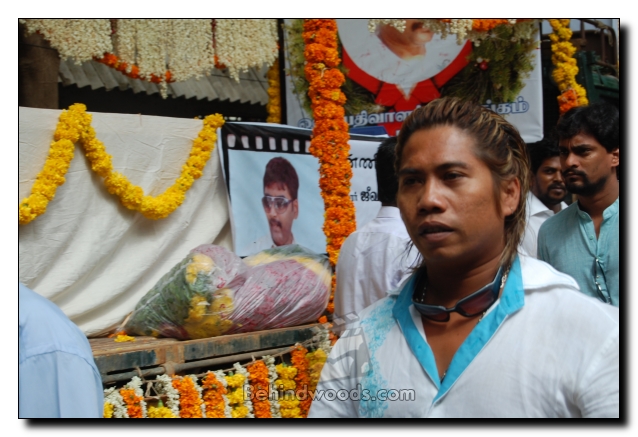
(273, 185)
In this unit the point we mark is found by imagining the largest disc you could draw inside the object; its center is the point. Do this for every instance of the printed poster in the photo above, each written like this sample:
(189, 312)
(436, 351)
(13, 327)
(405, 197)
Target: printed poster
(273, 185)
(401, 80)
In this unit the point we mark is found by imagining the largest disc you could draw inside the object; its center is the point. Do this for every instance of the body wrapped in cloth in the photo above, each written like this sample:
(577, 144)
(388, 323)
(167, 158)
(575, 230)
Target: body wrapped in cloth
(213, 292)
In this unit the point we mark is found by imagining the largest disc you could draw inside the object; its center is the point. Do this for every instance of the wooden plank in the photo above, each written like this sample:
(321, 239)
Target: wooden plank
(149, 351)
(252, 341)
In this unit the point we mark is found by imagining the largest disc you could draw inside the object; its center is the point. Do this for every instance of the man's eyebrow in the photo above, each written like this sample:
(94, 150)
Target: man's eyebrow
(441, 167)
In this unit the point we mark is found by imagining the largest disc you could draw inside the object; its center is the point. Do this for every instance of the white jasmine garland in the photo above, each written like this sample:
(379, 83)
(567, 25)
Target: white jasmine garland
(220, 377)
(164, 385)
(113, 397)
(246, 388)
(80, 40)
(190, 51)
(397, 24)
(272, 376)
(124, 42)
(241, 44)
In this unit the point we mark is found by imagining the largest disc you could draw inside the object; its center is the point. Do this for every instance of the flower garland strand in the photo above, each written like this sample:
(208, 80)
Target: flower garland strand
(214, 391)
(190, 400)
(274, 94)
(76, 124)
(258, 376)
(133, 397)
(114, 405)
(55, 168)
(160, 412)
(288, 401)
(302, 380)
(272, 377)
(330, 136)
(565, 67)
(164, 386)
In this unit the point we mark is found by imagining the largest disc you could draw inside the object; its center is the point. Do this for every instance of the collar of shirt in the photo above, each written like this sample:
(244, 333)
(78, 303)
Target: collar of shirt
(535, 205)
(511, 300)
(609, 212)
(389, 212)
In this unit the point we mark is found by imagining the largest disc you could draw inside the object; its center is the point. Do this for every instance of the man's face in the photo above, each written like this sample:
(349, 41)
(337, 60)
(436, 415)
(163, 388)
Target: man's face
(416, 32)
(548, 184)
(447, 201)
(280, 219)
(586, 164)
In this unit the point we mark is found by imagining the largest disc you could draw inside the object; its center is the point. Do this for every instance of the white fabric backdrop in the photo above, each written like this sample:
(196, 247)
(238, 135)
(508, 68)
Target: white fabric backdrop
(89, 254)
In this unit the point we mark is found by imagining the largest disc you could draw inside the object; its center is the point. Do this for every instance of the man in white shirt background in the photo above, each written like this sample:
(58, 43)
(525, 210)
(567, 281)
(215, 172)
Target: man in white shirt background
(547, 191)
(376, 259)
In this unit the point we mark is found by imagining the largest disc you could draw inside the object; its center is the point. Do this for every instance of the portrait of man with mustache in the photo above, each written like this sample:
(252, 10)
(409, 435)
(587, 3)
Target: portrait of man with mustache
(281, 185)
(583, 240)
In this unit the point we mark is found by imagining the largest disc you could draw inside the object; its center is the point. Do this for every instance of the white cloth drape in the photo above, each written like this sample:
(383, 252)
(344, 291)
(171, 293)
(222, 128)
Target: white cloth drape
(90, 255)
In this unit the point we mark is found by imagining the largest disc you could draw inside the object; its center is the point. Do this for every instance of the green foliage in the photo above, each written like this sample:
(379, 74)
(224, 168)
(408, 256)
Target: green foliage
(508, 64)
(358, 98)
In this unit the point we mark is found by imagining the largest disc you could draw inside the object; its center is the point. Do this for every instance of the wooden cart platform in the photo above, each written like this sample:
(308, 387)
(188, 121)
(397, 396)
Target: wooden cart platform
(148, 356)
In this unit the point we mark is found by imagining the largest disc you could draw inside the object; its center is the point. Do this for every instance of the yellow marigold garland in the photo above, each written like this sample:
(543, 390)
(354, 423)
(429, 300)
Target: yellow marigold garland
(565, 68)
(259, 389)
(190, 401)
(235, 383)
(74, 125)
(316, 361)
(274, 94)
(160, 412)
(330, 134)
(288, 401)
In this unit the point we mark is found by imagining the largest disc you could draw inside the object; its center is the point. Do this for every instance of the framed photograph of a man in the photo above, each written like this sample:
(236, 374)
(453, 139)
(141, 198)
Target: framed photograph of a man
(273, 185)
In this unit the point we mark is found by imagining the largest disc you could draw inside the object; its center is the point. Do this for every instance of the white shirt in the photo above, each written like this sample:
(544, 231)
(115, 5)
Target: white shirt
(543, 350)
(537, 213)
(373, 261)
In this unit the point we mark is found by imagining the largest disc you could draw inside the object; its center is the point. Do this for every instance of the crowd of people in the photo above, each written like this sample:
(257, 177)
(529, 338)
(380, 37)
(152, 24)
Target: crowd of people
(475, 292)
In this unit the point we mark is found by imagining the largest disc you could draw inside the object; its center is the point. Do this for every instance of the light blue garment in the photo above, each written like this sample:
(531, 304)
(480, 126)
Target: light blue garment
(568, 242)
(57, 373)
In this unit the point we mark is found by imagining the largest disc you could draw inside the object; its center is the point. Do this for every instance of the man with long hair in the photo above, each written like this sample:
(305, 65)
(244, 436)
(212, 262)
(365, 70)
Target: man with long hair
(478, 330)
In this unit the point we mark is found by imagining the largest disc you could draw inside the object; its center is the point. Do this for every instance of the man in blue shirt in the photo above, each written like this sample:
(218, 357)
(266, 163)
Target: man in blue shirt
(583, 240)
(57, 373)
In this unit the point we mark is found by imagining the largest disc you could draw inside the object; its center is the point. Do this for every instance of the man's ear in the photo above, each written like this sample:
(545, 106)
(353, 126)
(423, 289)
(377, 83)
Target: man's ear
(295, 207)
(615, 158)
(510, 196)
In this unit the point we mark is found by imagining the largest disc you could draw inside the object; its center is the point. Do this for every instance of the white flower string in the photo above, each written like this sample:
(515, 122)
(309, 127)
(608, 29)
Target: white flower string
(241, 44)
(269, 361)
(219, 374)
(191, 49)
(165, 386)
(80, 40)
(112, 396)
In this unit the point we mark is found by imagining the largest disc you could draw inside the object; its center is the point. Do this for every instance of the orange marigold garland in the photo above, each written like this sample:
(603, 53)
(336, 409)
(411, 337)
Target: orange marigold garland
(274, 94)
(302, 379)
(330, 134)
(131, 71)
(190, 400)
(214, 395)
(259, 389)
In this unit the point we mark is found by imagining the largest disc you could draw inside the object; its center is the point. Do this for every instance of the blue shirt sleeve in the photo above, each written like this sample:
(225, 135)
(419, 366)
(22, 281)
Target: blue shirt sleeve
(59, 384)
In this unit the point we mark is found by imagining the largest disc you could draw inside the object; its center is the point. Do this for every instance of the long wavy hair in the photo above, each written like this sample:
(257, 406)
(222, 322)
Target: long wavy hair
(498, 145)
